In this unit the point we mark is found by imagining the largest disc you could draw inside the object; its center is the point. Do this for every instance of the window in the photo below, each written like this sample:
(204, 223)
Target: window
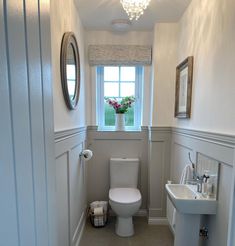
(119, 82)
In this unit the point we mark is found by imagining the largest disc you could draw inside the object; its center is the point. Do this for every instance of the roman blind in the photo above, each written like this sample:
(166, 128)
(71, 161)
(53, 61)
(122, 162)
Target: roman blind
(129, 55)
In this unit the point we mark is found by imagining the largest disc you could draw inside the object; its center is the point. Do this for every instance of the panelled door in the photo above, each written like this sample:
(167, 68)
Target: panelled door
(26, 125)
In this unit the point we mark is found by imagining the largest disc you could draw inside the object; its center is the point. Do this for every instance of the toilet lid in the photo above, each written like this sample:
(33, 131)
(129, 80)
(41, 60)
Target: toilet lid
(124, 195)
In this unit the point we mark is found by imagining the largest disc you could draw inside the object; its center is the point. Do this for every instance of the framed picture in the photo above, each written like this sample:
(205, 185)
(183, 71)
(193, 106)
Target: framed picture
(183, 90)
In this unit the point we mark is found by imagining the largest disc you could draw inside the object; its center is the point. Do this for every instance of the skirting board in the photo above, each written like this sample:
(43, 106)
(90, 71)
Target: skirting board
(157, 221)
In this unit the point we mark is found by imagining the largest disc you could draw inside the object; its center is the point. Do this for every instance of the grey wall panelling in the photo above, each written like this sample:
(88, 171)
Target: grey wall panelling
(218, 147)
(107, 144)
(158, 171)
(231, 239)
(71, 185)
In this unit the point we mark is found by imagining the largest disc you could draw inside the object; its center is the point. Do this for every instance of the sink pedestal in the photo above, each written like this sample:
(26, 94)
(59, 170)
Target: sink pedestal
(187, 229)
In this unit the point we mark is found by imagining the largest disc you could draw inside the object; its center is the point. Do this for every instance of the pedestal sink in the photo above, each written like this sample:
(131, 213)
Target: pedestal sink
(190, 205)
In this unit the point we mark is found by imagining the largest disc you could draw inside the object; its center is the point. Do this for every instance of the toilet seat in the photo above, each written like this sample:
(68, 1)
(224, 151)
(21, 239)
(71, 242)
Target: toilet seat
(124, 195)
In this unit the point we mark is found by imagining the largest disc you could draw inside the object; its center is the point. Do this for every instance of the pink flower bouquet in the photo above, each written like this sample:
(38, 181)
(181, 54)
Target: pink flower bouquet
(121, 107)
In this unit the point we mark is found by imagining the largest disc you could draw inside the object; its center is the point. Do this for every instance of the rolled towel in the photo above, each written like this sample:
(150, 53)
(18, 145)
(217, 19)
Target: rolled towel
(98, 211)
(187, 174)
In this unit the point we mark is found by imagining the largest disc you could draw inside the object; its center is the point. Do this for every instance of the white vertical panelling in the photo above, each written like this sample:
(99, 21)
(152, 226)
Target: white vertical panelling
(36, 115)
(45, 45)
(21, 121)
(8, 213)
(26, 125)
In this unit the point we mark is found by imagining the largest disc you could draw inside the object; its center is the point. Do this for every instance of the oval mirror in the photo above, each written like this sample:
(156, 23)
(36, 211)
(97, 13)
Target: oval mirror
(70, 70)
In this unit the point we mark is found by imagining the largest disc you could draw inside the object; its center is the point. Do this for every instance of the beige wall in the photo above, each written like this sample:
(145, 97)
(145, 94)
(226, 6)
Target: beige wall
(163, 77)
(117, 38)
(207, 33)
(64, 18)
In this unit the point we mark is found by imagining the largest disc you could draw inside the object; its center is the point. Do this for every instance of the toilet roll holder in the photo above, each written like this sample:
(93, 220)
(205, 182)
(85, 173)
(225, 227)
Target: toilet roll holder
(86, 154)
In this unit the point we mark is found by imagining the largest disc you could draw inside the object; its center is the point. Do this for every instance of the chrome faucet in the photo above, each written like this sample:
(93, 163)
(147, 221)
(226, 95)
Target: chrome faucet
(198, 181)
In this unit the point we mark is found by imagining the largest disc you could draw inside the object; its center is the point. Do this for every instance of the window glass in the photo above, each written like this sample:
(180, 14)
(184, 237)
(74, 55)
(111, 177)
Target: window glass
(111, 89)
(127, 89)
(71, 73)
(129, 118)
(71, 80)
(109, 115)
(111, 73)
(127, 73)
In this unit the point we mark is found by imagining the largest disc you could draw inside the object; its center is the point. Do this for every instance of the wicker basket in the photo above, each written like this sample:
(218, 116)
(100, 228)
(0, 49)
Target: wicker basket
(98, 220)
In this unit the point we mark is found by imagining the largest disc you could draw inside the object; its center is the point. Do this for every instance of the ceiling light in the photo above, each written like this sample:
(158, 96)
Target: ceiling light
(134, 8)
(121, 25)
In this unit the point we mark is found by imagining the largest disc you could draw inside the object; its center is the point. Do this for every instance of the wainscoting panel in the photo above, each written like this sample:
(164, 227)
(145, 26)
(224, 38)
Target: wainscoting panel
(231, 233)
(62, 199)
(181, 158)
(107, 144)
(158, 170)
(70, 185)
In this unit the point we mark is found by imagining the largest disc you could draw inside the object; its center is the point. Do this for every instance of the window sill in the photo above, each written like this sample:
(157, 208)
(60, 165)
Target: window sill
(113, 130)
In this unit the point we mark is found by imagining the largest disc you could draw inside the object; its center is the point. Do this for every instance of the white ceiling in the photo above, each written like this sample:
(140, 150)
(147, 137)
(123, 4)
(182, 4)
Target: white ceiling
(98, 14)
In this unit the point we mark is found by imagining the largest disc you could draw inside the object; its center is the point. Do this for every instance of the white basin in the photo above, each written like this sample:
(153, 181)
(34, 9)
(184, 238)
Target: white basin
(187, 201)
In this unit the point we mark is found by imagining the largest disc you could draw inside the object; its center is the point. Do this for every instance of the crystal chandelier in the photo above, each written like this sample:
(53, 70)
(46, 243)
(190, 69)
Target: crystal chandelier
(135, 8)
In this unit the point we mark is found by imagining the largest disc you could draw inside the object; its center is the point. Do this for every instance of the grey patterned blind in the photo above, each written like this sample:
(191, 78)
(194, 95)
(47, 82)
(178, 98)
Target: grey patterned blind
(130, 55)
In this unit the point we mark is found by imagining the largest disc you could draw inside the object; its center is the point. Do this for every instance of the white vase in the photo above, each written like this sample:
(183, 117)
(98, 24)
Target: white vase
(120, 122)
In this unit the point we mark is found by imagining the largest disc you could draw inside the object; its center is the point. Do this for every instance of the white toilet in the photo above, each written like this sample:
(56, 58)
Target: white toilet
(124, 197)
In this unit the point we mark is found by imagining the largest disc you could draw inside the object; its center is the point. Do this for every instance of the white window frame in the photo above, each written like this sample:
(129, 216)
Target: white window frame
(100, 98)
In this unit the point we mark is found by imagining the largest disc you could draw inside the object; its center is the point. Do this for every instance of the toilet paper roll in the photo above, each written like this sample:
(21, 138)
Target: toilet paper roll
(86, 154)
(98, 211)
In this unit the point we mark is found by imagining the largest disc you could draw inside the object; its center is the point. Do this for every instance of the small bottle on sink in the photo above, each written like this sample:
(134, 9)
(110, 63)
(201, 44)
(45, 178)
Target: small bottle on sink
(209, 191)
(205, 184)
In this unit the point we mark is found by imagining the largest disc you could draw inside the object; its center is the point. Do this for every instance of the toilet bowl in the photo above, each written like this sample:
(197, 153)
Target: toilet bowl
(125, 202)
(124, 197)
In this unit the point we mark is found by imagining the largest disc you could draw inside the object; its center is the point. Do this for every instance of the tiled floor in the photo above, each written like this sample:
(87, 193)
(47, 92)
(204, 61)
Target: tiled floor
(145, 235)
